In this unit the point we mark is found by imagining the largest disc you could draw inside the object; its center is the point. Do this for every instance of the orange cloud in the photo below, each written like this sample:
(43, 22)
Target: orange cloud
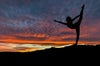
(37, 42)
(28, 42)
(32, 35)
(57, 38)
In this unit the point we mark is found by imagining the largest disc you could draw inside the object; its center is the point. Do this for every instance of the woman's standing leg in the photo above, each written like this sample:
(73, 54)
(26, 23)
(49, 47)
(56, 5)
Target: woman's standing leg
(78, 34)
(78, 25)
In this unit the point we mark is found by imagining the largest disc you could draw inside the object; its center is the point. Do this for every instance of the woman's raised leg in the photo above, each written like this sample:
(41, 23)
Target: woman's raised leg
(81, 16)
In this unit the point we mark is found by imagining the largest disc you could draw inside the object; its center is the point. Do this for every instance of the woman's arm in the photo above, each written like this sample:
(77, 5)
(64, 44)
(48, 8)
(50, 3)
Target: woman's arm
(60, 22)
(75, 18)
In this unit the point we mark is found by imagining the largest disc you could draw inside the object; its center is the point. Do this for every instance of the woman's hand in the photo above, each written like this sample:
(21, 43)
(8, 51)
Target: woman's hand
(55, 20)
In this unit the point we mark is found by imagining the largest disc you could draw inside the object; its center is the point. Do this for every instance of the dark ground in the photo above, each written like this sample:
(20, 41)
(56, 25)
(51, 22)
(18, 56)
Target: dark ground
(79, 50)
(72, 55)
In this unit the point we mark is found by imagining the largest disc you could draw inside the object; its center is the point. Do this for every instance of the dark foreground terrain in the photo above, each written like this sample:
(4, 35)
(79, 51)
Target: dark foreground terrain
(79, 50)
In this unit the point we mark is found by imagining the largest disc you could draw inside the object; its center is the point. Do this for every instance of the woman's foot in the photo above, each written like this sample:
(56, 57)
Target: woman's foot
(74, 44)
(83, 6)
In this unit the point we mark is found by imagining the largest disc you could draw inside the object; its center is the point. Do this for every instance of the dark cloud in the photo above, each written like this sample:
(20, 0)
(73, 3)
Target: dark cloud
(36, 16)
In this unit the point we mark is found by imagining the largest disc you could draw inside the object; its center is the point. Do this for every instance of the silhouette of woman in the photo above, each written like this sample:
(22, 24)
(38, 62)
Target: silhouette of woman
(75, 25)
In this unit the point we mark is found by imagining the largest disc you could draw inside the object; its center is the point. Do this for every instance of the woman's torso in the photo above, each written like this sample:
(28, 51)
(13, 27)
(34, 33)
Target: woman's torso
(71, 25)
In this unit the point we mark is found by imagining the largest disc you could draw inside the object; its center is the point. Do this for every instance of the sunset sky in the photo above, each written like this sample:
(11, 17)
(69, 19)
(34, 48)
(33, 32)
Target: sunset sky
(27, 25)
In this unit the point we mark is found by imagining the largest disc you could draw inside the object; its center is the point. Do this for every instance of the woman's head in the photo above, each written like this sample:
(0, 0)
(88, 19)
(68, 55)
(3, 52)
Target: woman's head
(68, 19)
